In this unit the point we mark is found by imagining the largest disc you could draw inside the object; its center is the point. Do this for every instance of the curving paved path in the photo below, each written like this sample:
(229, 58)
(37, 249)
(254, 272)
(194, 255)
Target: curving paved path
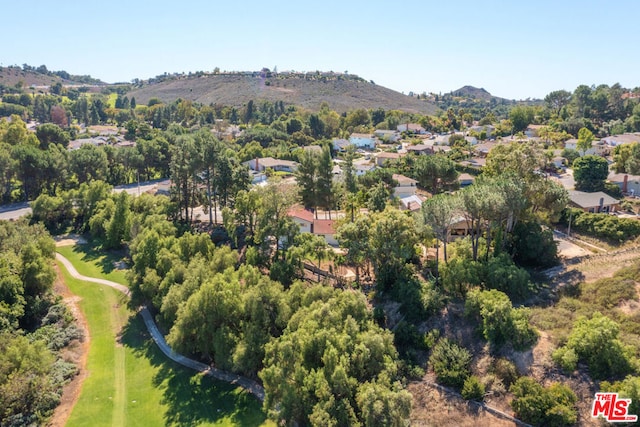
(251, 386)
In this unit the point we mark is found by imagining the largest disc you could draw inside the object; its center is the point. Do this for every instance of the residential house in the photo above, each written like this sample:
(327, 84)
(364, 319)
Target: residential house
(460, 228)
(308, 224)
(483, 149)
(597, 202)
(465, 179)
(421, 149)
(340, 144)
(471, 140)
(598, 148)
(278, 165)
(327, 229)
(411, 128)
(387, 135)
(362, 168)
(411, 203)
(440, 149)
(303, 218)
(257, 177)
(474, 162)
(489, 129)
(629, 184)
(363, 140)
(406, 186)
(382, 158)
(532, 130)
(442, 139)
(625, 138)
(98, 141)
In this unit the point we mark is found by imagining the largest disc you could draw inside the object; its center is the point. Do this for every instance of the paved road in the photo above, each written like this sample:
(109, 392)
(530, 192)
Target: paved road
(18, 210)
(249, 385)
(14, 211)
(137, 189)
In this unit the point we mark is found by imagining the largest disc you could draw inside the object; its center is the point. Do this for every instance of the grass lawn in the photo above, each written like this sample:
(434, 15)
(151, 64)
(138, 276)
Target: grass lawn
(130, 382)
(90, 260)
(111, 101)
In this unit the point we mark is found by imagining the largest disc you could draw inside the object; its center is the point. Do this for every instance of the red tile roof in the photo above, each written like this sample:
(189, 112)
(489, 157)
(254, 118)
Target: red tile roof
(324, 226)
(301, 214)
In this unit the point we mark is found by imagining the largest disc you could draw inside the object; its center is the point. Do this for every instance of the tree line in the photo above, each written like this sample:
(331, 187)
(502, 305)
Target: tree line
(35, 327)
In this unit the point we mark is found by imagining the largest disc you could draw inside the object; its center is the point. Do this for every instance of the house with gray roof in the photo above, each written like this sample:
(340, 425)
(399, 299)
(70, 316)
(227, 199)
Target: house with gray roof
(597, 202)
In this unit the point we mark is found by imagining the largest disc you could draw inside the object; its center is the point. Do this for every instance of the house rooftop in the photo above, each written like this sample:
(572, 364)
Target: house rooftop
(301, 213)
(619, 177)
(625, 138)
(411, 203)
(324, 226)
(419, 147)
(403, 180)
(270, 162)
(466, 177)
(590, 200)
(386, 155)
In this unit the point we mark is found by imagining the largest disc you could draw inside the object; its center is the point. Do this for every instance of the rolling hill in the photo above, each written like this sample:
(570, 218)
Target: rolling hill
(341, 92)
(12, 75)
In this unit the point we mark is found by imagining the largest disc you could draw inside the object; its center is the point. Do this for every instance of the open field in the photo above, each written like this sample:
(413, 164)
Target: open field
(129, 381)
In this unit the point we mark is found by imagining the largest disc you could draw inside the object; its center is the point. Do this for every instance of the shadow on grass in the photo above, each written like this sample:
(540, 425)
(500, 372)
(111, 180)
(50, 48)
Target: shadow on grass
(105, 259)
(191, 398)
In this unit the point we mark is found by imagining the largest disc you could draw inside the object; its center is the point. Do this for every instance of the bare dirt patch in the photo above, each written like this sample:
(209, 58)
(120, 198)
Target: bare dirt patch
(70, 240)
(76, 352)
(432, 407)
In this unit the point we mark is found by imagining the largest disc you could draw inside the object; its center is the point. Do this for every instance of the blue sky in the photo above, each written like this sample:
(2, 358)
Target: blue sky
(514, 49)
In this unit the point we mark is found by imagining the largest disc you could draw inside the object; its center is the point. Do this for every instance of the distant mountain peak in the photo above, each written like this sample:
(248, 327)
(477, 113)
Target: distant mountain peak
(472, 92)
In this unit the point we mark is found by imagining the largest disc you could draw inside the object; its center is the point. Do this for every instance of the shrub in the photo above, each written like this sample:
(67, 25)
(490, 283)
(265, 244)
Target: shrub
(450, 362)
(506, 371)
(602, 225)
(407, 340)
(566, 358)
(498, 320)
(537, 405)
(473, 389)
(595, 341)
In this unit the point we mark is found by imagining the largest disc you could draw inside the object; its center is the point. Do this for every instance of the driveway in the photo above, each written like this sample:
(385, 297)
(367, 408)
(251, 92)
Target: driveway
(566, 179)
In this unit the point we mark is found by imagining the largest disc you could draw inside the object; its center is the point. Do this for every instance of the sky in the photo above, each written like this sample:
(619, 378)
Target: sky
(515, 49)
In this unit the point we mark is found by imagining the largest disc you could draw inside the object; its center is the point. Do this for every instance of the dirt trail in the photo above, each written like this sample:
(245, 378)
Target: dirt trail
(77, 353)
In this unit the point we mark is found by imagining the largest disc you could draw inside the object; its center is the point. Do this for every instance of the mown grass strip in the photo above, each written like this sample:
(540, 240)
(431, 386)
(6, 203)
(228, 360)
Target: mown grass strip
(151, 389)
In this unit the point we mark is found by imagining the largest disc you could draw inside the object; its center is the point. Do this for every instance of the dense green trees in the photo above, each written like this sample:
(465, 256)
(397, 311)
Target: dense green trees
(590, 173)
(315, 180)
(392, 242)
(585, 138)
(334, 366)
(34, 326)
